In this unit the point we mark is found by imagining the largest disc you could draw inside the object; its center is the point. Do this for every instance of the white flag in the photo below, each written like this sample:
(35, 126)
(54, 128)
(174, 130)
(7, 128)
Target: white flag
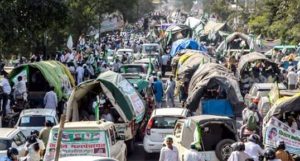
(70, 42)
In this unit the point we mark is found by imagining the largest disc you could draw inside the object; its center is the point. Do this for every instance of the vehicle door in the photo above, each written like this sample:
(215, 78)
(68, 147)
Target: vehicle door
(18, 141)
(187, 137)
(116, 147)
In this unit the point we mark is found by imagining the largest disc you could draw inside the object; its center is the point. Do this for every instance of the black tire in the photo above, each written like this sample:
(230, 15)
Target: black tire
(130, 145)
(223, 149)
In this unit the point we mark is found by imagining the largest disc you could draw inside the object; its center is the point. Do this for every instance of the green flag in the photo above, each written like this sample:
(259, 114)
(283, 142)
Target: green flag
(149, 69)
(197, 136)
(274, 93)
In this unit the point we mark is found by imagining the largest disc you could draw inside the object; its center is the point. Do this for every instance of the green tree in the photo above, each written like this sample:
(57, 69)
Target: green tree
(278, 19)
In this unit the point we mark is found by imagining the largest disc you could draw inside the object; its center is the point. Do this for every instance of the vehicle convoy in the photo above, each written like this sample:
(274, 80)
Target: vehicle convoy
(12, 137)
(111, 93)
(87, 138)
(34, 119)
(216, 136)
(161, 124)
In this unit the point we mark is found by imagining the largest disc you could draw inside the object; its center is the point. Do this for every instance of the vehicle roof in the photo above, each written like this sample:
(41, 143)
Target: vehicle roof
(132, 65)
(102, 125)
(7, 132)
(201, 118)
(288, 92)
(151, 44)
(38, 111)
(86, 158)
(268, 85)
(146, 60)
(129, 50)
(285, 46)
(169, 112)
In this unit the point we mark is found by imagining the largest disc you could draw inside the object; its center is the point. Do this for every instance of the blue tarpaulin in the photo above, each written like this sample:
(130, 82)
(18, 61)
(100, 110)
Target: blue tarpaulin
(186, 44)
(220, 107)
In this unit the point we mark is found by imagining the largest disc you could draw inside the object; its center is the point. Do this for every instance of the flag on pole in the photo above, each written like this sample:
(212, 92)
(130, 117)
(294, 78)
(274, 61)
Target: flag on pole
(274, 93)
(23, 74)
(70, 42)
(197, 136)
(149, 69)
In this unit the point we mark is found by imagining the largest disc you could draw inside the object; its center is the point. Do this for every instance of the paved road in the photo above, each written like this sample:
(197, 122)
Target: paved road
(140, 155)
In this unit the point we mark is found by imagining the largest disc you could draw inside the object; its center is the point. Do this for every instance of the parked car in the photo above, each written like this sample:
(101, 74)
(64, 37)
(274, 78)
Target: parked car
(34, 119)
(161, 124)
(128, 53)
(259, 90)
(87, 138)
(218, 133)
(11, 137)
(152, 48)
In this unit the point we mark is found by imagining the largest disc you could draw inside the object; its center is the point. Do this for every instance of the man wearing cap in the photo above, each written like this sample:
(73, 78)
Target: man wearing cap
(193, 154)
(169, 152)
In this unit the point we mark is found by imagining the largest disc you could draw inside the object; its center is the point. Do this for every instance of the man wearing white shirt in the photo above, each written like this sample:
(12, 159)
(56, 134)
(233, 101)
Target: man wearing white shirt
(193, 154)
(6, 88)
(252, 148)
(80, 73)
(50, 99)
(292, 79)
(169, 152)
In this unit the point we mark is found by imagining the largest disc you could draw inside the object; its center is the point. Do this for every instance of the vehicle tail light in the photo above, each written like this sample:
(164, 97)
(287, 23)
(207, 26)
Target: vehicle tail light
(149, 126)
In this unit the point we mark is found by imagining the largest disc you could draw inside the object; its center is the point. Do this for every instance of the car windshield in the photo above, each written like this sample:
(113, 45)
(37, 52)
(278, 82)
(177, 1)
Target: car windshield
(150, 49)
(5, 144)
(35, 121)
(132, 69)
(165, 122)
(124, 52)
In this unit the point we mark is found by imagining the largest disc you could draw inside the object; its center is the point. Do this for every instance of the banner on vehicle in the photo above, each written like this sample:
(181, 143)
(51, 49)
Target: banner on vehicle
(277, 130)
(78, 143)
(136, 101)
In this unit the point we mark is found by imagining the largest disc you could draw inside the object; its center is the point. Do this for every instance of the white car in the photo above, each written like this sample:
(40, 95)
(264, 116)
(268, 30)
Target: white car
(11, 137)
(34, 119)
(161, 124)
(127, 53)
(152, 48)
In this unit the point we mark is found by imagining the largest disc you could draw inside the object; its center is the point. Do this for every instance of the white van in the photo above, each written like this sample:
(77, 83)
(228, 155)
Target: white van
(87, 138)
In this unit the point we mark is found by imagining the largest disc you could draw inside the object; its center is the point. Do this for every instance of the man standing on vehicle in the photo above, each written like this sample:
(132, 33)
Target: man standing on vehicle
(169, 152)
(50, 99)
(193, 154)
